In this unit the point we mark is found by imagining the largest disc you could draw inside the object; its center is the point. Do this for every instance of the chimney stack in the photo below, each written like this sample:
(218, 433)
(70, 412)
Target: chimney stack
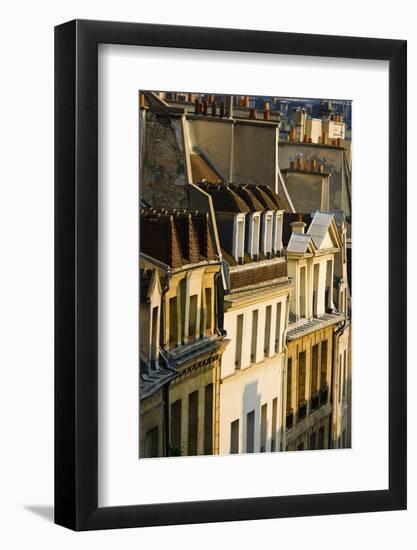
(299, 163)
(246, 102)
(292, 134)
(299, 226)
(196, 107)
(222, 113)
(205, 107)
(313, 165)
(213, 108)
(324, 138)
(252, 114)
(321, 168)
(266, 110)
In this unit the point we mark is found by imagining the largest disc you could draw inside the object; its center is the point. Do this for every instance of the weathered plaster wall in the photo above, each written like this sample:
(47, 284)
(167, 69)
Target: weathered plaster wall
(163, 162)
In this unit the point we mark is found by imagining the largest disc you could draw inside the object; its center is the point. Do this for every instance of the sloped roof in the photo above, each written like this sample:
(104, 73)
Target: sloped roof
(248, 196)
(201, 169)
(300, 243)
(224, 198)
(319, 227)
(176, 238)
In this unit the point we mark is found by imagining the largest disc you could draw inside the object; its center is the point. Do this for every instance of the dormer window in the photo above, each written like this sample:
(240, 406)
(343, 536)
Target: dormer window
(254, 237)
(239, 239)
(268, 232)
(278, 233)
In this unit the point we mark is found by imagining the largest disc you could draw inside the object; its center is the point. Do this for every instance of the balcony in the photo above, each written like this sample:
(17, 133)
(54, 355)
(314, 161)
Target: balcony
(324, 395)
(302, 410)
(289, 421)
(315, 401)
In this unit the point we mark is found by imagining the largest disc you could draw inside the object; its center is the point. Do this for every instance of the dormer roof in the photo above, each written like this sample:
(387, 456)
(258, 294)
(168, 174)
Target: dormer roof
(176, 238)
(225, 199)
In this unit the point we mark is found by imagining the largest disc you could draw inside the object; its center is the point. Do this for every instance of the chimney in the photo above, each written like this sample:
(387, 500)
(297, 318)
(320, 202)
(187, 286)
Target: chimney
(222, 113)
(266, 110)
(313, 165)
(321, 168)
(299, 163)
(292, 134)
(246, 102)
(252, 114)
(196, 107)
(305, 138)
(213, 108)
(205, 107)
(190, 98)
(324, 138)
(299, 226)
(141, 101)
(240, 101)
(211, 98)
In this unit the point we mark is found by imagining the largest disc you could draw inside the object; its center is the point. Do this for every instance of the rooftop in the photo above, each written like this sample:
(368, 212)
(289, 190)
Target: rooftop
(303, 327)
(176, 237)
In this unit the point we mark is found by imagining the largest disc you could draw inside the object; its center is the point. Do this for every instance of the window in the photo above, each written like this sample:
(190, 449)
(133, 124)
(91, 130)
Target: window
(255, 237)
(289, 384)
(239, 337)
(278, 329)
(316, 273)
(340, 376)
(328, 296)
(254, 340)
(274, 424)
(268, 235)
(173, 323)
(240, 235)
(344, 374)
(175, 447)
(234, 437)
(264, 412)
(154, 337)
(315, 369)
(278, 233)
(342, 302)
(267, 329)
(208, 419)
(151, 443)
(250, 432)
(192, 325)
(192, 423)
(302, 292)
(323, 369)
(301, 377)
(209, 307)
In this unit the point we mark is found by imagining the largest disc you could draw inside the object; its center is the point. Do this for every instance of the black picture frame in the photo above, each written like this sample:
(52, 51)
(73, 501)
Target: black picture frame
(76, 271)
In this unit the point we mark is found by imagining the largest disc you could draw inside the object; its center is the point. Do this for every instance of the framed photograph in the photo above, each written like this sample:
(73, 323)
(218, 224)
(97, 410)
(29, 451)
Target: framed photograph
(230, 229)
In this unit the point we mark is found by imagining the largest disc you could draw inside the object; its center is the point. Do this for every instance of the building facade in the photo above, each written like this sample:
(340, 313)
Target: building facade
(256, 305)
(181, 345)
(314, 321)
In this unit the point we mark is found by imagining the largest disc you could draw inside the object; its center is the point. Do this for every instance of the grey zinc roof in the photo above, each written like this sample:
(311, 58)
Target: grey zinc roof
(298, 243)
(319, 227)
